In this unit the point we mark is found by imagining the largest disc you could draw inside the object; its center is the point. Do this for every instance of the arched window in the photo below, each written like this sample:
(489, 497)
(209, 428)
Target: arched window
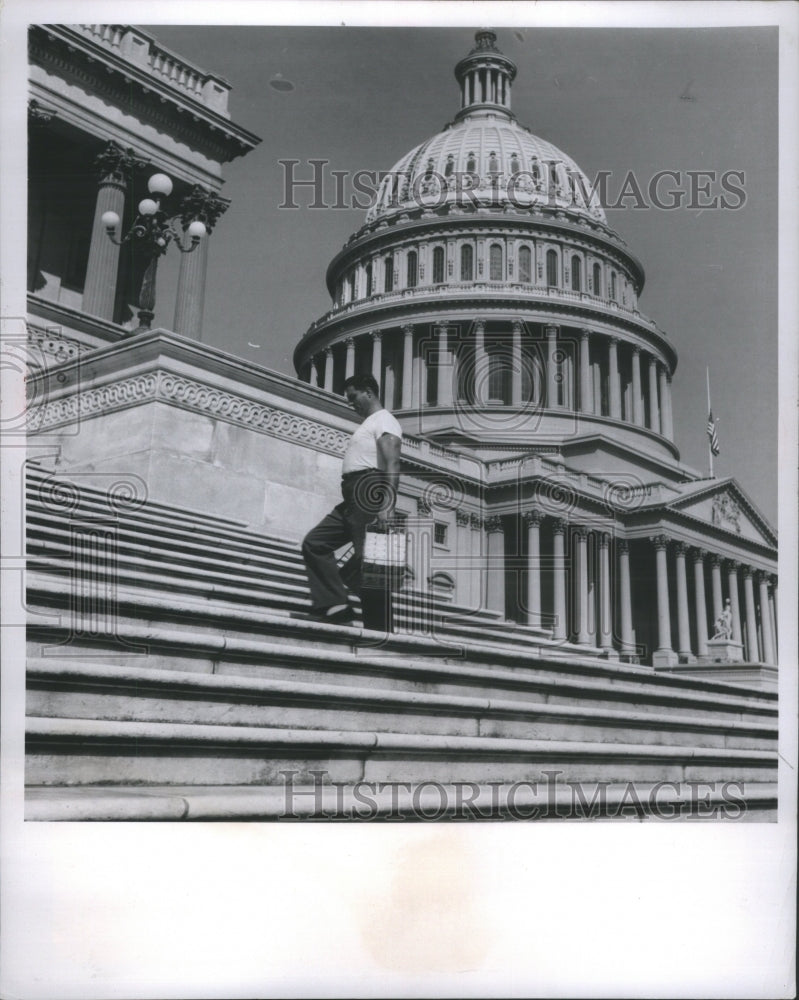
(471, 164)
(552, 269)
(554, 180)
(597, 280)
(449, 168)
(493, 164)
(351, 286)
(413, 270)
(535, 169)
(438, 265)
(525, 266)
(429, 170)
(577, 274)
(388, 274)
(368, 280)
(613, 285)
(514, 164)
(467, 262)
(495, 262)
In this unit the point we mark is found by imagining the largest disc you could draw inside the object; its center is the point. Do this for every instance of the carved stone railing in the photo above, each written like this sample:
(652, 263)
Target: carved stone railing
(488, 288)
(144, 51)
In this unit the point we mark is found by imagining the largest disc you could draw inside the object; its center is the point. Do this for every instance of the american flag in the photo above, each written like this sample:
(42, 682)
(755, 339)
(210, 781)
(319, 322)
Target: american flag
(712, 433)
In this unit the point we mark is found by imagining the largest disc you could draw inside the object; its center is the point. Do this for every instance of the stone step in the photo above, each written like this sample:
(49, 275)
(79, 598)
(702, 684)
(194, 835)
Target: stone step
(318, 653)
(551, 799)
(88, 751)
(414, 613)
(94, 691)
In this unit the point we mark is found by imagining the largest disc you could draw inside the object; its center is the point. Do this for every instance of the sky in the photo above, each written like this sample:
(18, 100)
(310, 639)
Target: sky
(619, 100)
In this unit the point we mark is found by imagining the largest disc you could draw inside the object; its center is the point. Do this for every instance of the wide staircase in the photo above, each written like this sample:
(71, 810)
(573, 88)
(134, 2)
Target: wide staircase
(173, 674)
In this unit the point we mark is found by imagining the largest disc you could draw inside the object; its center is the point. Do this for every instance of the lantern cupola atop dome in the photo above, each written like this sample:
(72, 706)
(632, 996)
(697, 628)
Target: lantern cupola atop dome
(485, 76)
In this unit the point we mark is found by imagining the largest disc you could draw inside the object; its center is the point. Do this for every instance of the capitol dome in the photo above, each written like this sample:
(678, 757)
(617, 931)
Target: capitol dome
(484, 157)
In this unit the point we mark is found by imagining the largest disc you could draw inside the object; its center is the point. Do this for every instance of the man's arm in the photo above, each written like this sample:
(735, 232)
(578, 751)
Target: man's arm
(388, 461)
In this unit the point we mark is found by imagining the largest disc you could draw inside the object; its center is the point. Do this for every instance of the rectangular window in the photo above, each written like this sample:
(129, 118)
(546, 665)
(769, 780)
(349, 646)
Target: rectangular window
(440, 533)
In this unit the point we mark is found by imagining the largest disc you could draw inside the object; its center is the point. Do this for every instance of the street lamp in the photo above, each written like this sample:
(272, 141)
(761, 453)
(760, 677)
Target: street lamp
(151, 233)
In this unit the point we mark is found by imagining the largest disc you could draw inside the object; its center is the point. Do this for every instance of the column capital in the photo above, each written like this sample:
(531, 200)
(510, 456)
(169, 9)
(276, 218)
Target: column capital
(551, 330)
(772, 579)
(516, 326)
(461, 517)
(637, 349)
(475, 521)
(715, 559)
(38, 116)
(732, 565)
(660, 541)
(623, 545)
(603, 538)
(114, 164)
(202, 204)
(532, 517)
(407, 329)
(559, 525)
(376, 334)
(748, 572)
(698, 555)
(349, 342)
(613, 340)
(329, 351)
(680, 549)
(581, 531)
(585, 333)
(762, 576)
(493, 523)
(479, 326)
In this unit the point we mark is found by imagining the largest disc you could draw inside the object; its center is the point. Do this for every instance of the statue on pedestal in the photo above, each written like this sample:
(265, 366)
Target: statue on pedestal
(723, 624)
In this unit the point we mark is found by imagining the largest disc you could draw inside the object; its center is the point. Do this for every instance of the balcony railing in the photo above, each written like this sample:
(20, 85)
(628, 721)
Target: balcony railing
(487, 288)
(144, 51)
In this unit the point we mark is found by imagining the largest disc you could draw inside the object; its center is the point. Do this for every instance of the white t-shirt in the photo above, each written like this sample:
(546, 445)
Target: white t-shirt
(361, 452)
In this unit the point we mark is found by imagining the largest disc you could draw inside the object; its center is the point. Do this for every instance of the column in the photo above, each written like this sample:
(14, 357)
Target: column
(698, 556)
(772, 600)
(476, 598)
(463, 555)
(669, 428)
(190, 297)
(445, 368)
(582, 557)
(735, 607)
(553, 373)
(586, 402)
(480, 365)
(664, 655)
(377, 359)
(625, 599)
(614, 379)
(715, 572)
(765, 619)
(407, 367)
(495, 576)
(329, 369)
(559, 579)
(99, 291)
(349, 367)
(605, 619)
(751, 617)
(532, 518)
(316, 369)
(638, 400)
(665, 429)
(654, 409)
(516, 365)
(683, 620)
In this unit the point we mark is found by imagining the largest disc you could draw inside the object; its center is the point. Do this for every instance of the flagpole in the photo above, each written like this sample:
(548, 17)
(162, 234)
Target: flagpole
(709, 440)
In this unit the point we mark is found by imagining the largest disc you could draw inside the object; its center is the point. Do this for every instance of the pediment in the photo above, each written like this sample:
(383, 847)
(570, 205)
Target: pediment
(726, 506)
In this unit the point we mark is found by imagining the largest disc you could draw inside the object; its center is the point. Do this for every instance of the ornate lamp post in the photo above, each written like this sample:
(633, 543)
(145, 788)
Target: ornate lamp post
(151, 233)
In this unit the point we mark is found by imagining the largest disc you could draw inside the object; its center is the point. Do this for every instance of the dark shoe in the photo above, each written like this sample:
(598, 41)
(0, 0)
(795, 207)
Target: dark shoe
(344, 616)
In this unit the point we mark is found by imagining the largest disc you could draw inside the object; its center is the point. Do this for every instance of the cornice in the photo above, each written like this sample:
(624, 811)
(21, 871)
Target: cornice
(77, 57)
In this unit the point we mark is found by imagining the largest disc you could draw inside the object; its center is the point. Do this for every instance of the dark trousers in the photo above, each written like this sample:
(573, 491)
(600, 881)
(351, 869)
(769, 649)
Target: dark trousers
(363, 496)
